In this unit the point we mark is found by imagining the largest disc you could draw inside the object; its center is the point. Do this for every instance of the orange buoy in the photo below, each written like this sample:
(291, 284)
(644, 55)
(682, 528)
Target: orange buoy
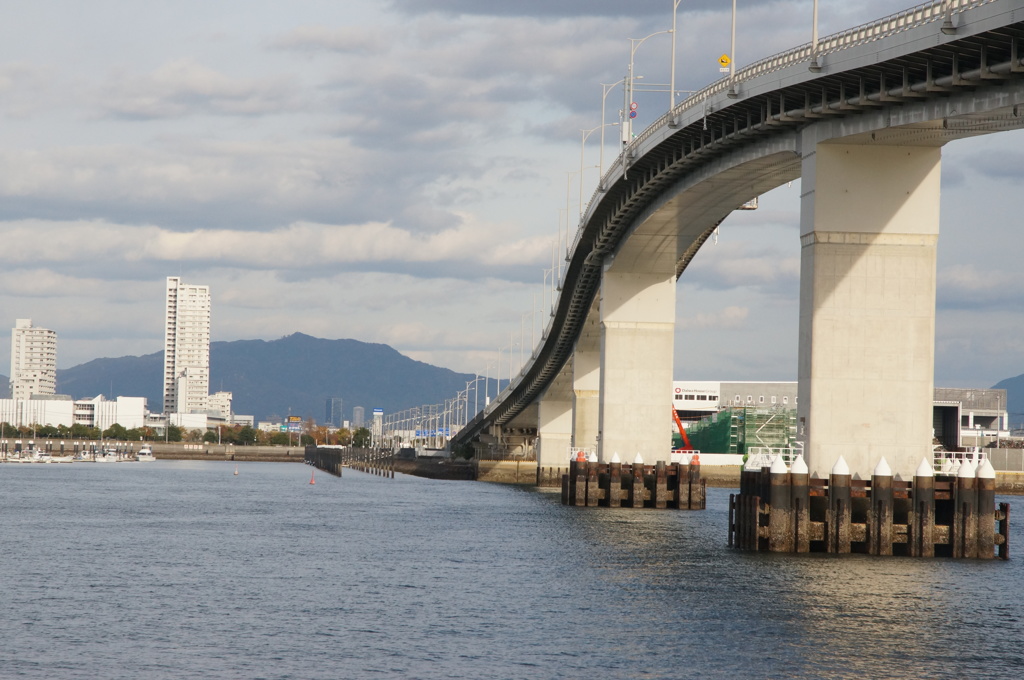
(580, 457)
(312, 478)
(695, 459)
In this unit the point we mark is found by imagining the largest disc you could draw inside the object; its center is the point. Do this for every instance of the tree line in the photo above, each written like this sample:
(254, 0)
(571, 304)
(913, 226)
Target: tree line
(242, 435)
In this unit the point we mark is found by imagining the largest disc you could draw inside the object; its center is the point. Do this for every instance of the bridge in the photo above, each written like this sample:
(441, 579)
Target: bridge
(861, 118)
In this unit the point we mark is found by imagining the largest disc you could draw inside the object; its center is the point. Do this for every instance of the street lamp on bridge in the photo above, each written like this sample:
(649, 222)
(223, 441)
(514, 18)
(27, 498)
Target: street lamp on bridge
(672, 70)
(732, 94)
(627, 112)
(583, 143)
(605, 89)
(815, 66)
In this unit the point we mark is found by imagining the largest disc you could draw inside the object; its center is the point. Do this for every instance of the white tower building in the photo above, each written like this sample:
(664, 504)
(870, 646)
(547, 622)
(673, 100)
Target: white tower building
(33, 360)
(186, 348)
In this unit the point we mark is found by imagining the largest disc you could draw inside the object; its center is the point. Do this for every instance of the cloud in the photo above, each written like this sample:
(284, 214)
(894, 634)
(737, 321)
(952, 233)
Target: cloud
(449, 85)
(735, 265)
(238, 184)
(346, 39)
(969, 286)
(25, 89)
(466, 250)
(546, 8)
(731, 317)
(185, 88)
(997, 163)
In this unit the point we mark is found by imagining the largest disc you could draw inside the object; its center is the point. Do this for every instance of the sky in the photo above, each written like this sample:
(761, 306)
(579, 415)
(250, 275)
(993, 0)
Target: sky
(399, 171)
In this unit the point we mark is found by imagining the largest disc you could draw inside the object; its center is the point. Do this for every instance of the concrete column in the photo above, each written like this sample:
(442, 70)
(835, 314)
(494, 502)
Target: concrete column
(554, 429)
(637, 340)
(869, 228)
(586, 384)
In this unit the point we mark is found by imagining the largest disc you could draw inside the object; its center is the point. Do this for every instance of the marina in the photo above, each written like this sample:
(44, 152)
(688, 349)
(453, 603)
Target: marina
(93, 455)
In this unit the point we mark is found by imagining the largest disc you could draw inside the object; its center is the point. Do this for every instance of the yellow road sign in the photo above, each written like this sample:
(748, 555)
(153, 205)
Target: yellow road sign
(724, 60)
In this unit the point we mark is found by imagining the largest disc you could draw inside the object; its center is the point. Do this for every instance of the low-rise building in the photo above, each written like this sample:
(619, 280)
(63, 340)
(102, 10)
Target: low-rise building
(961, 416)
(57, 410)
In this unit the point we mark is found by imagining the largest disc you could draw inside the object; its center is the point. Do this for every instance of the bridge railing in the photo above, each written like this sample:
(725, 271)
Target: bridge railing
(852, 37)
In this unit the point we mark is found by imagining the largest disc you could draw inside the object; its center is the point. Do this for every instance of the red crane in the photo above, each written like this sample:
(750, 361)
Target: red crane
(682, 431)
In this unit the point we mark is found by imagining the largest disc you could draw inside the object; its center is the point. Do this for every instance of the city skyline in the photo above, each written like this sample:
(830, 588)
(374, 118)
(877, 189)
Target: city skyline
(398, 173)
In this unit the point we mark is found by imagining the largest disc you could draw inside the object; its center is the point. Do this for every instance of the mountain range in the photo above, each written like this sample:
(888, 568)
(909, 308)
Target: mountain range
(1014, 398)
(294, 375)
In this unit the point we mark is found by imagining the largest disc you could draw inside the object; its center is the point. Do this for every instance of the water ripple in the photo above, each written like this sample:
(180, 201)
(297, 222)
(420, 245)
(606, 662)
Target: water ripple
(170, 570)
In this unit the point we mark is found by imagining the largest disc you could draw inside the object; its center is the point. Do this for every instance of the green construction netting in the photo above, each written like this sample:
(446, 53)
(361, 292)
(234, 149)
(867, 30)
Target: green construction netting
(734, 430)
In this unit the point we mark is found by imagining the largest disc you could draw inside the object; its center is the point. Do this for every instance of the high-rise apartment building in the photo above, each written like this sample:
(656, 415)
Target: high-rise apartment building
(186, 348)
(358, 416)
(333, 412)
(33, 360)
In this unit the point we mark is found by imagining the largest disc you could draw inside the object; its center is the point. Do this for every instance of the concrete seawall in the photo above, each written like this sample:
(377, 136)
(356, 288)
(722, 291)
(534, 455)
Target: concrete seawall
(505, 472)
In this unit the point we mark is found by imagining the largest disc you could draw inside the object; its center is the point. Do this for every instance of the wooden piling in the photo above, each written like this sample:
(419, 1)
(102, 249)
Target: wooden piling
(753, 533)
(880, 515)
(838, 532)
(683, 486)
(637, 493)
(986, 516)
(1003, 519)
(592, 487)
(660, 495)
(695, 487)
(964, 532)
(780, 518)
(579, 497)
(985, 512)
(801, 494)
(615, 485)
(943, 516)
(922, 517)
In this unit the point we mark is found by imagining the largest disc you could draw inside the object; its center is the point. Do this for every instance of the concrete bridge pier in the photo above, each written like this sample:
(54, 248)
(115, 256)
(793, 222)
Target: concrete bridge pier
(637, 308)
(869, 229)
(554, 436)
(586, 387)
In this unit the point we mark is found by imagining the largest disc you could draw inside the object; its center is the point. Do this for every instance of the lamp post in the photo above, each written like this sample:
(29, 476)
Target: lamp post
(568, 191)
(497, 373)
(522, 335)
(511, 346)
(814, 66)
(584, 134)
(487, 384)
(476, 395)
(634, 45)
(947, 25)
(605, 89)
(672, 71)
(732, 56)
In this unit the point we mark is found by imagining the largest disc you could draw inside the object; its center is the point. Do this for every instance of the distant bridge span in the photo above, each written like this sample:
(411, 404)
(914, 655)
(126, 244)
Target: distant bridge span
(865, 116)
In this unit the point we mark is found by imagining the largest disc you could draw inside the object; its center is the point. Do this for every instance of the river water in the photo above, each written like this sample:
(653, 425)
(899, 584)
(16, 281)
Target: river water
(184, 570)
